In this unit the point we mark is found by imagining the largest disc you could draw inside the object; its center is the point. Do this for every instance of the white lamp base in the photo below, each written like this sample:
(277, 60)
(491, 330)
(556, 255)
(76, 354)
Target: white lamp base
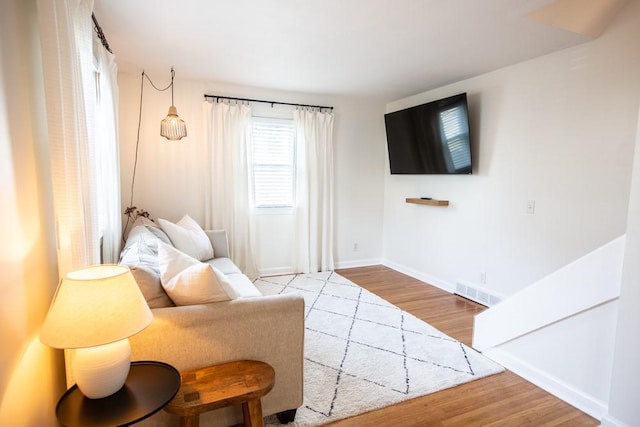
(102, 370)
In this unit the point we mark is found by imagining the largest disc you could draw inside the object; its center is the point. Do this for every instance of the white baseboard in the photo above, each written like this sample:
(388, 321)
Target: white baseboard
(275, 271)
(609, 421)
(574, 397)
(357, 263)
(279, 271)
(432, 280)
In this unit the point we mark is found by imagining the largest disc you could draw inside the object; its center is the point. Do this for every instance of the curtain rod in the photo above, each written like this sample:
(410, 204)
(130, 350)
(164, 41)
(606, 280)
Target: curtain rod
(230, 98)
(101, 36)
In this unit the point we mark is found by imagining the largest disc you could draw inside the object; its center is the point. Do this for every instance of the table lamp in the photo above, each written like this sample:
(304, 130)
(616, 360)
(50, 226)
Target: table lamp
(94, 312)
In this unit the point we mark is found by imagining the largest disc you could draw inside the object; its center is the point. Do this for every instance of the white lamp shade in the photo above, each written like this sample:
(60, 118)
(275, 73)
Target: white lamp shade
(172, 127)
(95, 306)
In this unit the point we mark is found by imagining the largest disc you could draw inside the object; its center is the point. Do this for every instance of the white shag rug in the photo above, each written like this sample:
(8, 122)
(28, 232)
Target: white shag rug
(363, 353)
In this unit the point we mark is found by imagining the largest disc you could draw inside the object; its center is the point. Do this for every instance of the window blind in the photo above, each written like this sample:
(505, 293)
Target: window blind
(273, 151)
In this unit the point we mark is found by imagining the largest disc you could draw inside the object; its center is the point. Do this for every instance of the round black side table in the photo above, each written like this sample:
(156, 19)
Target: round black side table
(149, 387)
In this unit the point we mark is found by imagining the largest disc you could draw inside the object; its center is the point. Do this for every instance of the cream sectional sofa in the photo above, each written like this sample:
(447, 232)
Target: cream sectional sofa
(265, 328)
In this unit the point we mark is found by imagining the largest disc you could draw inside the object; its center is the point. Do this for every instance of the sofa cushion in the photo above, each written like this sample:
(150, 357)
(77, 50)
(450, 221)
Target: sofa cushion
(149, 283)
(187, 236)
(225, 265)
(242, 286)
(186, 280)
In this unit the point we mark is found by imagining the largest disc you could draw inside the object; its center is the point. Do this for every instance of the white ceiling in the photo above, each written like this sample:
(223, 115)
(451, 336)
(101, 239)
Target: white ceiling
(383, 48)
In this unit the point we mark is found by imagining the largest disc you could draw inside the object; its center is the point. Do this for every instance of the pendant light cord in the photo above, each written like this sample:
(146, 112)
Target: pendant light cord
(173, 73)
(135, 159)
(130, 208)
(170, 85)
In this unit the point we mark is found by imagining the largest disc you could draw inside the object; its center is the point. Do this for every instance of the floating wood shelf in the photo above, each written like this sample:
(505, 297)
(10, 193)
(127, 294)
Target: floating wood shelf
(430, 202)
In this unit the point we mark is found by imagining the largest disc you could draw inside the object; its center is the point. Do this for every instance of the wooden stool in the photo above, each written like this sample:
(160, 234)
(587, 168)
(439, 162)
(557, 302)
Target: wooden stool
(241, 382)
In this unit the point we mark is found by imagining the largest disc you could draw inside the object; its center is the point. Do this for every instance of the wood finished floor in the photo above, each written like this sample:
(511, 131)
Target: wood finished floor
(499, 400)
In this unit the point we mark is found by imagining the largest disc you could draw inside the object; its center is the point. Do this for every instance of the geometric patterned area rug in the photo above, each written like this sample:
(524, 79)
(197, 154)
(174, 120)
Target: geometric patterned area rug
(363, 353)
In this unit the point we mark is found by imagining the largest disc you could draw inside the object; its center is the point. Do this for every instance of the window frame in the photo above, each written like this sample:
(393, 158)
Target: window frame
(276, 208)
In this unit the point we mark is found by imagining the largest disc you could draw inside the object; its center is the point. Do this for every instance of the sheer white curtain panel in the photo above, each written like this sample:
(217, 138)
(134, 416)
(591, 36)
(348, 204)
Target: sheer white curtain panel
(313, 248)
(107, 156)
(228, 202)
(66, 33)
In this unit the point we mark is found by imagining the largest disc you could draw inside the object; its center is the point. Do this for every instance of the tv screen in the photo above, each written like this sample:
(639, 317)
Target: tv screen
(431, 138)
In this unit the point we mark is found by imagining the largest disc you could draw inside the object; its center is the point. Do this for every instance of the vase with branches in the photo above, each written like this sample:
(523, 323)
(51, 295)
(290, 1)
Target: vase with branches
(133, 213)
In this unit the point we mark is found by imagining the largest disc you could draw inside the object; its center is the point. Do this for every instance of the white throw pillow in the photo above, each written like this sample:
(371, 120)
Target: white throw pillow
(186, 280)
(187, 236)
(142, 252)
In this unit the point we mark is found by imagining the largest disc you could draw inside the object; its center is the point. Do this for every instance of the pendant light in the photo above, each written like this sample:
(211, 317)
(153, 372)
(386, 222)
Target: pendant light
(172, 127)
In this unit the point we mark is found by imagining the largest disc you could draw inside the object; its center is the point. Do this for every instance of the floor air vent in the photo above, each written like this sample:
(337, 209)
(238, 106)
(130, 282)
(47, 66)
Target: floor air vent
(477, 294)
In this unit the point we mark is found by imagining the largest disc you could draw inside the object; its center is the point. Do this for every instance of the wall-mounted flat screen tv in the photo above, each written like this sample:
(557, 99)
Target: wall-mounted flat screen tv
(431, 138)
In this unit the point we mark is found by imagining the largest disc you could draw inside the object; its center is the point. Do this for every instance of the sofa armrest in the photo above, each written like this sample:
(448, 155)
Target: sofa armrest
(268, 329)
(219, 242)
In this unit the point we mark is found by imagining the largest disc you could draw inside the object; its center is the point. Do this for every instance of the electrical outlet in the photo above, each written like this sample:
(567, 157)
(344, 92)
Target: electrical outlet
(355, 247)
(483, 278)
(531, 207)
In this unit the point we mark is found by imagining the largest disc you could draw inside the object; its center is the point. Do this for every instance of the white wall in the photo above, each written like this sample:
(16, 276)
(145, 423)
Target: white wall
(31, 374)
(559, 130)
(623, 406)
(170, 175)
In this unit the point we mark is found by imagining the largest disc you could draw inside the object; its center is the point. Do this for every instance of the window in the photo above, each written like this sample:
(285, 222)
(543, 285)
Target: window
(273, 160)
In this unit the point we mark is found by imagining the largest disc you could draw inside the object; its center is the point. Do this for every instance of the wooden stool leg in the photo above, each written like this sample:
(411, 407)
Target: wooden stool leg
(190, 421)
(252, 411)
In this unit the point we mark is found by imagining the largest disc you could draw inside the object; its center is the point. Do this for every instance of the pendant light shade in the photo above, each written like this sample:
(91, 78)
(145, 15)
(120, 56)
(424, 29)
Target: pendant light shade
(172, 127)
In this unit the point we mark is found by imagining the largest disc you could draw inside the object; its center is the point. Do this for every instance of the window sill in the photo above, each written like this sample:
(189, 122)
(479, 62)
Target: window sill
(275, 211)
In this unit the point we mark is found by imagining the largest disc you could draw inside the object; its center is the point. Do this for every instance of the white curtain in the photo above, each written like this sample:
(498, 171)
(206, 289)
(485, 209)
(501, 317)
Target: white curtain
(66, 31)
(313, 250)
(107, 157)
(227, 195)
